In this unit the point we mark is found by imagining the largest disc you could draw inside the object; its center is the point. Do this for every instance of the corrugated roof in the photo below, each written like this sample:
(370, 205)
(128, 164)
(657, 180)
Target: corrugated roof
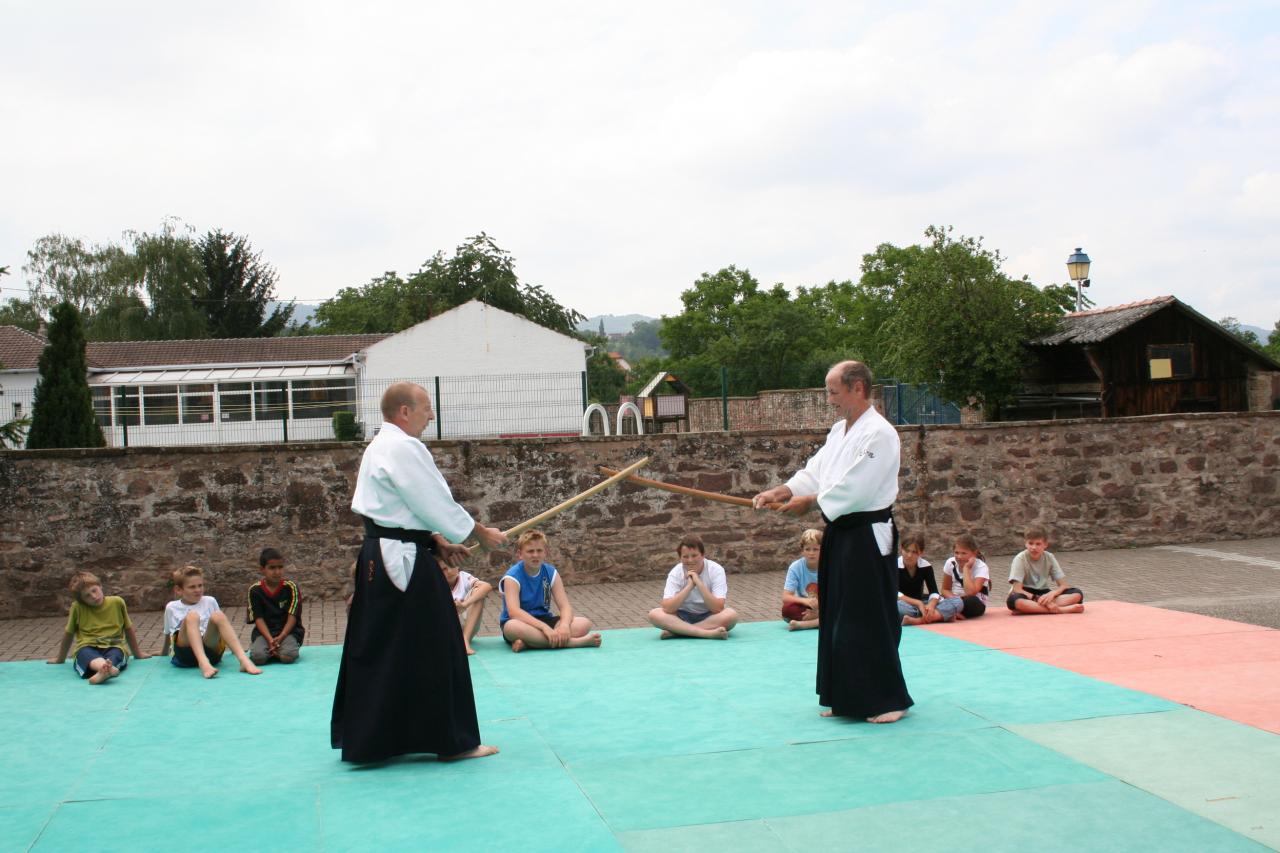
(19, 349)
(1098, 324)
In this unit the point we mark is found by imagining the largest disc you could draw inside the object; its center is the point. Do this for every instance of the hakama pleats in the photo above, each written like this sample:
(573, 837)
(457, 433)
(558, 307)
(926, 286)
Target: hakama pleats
(859, 672)
(404, 685)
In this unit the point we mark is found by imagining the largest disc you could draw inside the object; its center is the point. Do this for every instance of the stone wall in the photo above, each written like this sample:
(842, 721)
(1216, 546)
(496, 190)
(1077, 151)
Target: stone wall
(133, 515)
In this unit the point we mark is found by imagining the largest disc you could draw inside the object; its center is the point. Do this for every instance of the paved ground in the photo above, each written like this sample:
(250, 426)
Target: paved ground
(1237, 580)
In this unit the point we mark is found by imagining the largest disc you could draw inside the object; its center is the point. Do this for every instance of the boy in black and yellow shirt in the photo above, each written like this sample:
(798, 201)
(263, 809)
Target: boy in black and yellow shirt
(275, 611)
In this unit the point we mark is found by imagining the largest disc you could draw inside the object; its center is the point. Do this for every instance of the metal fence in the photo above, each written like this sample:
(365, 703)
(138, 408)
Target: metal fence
(915, 404)
(252, 411)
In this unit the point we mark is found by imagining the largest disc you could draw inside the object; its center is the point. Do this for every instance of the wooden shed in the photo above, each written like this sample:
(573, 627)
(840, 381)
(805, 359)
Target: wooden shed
(1157, 356)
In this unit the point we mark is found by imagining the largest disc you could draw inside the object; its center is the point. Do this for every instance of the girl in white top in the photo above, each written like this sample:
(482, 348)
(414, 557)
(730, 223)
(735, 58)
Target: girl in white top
(966, 576)
(196, 629)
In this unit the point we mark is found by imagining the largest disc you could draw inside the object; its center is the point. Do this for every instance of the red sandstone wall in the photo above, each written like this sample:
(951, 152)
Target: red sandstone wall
(133, 515)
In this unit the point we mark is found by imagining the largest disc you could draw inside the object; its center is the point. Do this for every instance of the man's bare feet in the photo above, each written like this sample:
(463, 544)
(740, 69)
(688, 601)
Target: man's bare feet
(517, 646)
(827, 713)
(208, 670)
(248, 667)
(888, 717)
(665, 635)
(481, 751)
(470, 650)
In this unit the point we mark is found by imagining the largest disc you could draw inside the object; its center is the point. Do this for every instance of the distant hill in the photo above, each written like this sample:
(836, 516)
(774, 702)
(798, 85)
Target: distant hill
(302, 311)
(1262, 333)
(613, 323)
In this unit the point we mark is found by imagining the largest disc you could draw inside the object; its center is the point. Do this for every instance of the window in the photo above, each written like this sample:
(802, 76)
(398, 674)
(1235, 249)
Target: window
(197, 404)
(102, 405)
(320, 398)
(17, 411)
(159, 405)
(235, 401)
(1171, 361)
(127, 405)
(270, 400)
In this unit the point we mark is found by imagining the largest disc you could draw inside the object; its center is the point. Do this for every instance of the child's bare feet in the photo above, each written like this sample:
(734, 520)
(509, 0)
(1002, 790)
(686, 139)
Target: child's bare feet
(721, 633)
(792, 625)
(208, 670)
(517, 646)
(480, 751)
(888, 717)
(912, 620)
(113, 670)
(665, 635)
(593, 639)
(101, 675)
(960, 617)
(247, 666)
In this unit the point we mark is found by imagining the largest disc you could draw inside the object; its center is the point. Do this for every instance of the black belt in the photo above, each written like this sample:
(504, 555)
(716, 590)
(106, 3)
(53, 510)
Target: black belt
(377, 531)
(850, 520)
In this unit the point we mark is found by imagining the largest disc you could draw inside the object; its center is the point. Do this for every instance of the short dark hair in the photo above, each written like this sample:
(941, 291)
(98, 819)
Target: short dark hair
(691, 540)
(911, 537)
(267, 555)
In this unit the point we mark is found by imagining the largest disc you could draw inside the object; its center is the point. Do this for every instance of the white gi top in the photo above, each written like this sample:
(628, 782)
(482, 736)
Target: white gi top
(855, 471)
(399, 485)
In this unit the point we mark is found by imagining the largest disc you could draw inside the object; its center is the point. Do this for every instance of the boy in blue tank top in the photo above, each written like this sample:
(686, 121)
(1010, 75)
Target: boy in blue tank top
(528, 590)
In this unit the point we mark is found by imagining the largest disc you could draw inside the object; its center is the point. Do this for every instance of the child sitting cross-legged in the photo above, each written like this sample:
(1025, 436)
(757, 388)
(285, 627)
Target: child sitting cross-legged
(800, 589)
(528, 590)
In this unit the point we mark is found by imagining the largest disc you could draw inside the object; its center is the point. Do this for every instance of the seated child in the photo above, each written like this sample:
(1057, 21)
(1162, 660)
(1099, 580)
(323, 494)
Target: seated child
(966, 576)
(275, 612)
(915, 576)
(800, 590)
(693, 603)
(469, 593)
(99, 626)
(528, 589)
(1032, 572)
(195, 628)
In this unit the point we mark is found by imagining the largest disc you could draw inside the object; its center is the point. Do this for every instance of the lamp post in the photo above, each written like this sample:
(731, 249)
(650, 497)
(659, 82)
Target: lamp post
(1078, 269)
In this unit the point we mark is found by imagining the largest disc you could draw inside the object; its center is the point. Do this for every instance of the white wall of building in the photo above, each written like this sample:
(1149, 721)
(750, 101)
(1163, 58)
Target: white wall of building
(17, 387)
(499, 374)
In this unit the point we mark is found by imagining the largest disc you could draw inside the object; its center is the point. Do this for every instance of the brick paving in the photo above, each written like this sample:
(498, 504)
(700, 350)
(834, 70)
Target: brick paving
(1238, 580)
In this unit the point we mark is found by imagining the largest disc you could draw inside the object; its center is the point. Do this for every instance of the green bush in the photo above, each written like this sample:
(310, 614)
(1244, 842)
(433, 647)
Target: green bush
(346, 427)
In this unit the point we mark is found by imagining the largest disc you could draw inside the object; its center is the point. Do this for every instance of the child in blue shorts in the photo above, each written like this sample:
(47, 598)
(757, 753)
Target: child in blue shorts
(197, 630)
(528, 590)
(99, 626)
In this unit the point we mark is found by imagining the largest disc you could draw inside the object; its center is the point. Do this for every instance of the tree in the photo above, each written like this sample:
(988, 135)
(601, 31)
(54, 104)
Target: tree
(64, 269)
(642, 341)
(235, 290)
(605, 380)
(959, 324)
(1246, 336)
(1273, 342)
(62, 414)
(479, 269)
(20, 313)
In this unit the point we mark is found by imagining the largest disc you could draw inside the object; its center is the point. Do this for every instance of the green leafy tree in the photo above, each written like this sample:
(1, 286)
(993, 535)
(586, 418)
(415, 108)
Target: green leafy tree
(605, 380)
(235, 289)
(62, 414)
(65, 269)
(20, 313)
(642, 341)
(478, 269)
(1246, 336)
(959, 324)
(1273, 342)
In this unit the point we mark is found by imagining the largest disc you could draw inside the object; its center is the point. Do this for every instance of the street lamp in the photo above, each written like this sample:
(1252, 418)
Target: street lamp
(1078, 269)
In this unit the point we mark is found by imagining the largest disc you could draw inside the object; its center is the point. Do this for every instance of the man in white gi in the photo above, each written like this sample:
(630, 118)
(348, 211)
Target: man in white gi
(853, 479)
(404, 685)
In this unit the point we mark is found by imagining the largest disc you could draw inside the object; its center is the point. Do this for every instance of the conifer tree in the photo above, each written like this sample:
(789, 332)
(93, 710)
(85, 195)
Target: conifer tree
(62, 414)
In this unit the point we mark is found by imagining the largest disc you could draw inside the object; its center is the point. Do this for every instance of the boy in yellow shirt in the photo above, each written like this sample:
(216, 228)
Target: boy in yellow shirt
(98, 626)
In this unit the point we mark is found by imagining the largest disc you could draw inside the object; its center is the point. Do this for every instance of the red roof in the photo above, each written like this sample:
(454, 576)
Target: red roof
(20, 350)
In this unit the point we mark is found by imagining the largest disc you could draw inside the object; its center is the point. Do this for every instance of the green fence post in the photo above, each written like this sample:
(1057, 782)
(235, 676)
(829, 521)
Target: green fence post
(439, 423)
(284, 425)
(724, 396)
(585, 398)
(124, 417)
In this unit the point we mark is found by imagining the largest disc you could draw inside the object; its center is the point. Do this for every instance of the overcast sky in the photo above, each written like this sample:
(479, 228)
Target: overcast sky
(618, 150)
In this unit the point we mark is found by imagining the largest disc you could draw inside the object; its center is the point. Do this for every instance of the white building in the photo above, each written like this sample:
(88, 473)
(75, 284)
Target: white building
(491, 373)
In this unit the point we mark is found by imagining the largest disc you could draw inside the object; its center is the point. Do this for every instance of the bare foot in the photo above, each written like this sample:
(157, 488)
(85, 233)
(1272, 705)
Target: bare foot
(480, 751)
(113, 669)
(827, 713)
(720, 633)
(470, 650)
(960, 617)
(593, 639)
(889, 717)
(912, 620)
(517, 646)
(208, 671)
(101, 675)
(793, 625)
(247, 666)
(665, 635)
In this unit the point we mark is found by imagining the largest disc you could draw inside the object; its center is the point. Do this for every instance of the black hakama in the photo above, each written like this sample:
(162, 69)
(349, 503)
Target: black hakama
(404, 684)
(859, 673)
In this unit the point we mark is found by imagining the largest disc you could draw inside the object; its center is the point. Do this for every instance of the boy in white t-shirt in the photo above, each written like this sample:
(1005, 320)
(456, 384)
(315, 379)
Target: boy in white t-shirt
(693, 603)
(1032, 573)
(469, 594)
(967, 577)
(197, 630)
